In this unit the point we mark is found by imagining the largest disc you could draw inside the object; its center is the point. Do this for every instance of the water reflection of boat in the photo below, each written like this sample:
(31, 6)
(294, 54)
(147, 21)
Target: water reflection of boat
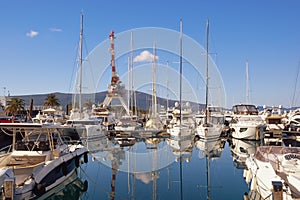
(273, 172)
(95, 145)
(139, 157)
(126, 141)
(211, 150)
(240, 151)
(71, 188)
(182, 147)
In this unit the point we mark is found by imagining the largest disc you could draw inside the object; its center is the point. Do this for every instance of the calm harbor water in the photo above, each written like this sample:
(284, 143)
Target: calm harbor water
(161, 168)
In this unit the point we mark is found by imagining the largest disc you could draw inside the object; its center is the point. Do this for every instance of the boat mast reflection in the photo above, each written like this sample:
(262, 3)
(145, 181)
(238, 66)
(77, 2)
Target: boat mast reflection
(211, 150)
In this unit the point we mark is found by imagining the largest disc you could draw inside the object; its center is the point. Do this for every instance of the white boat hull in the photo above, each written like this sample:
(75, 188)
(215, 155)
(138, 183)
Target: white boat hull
(210, 132)
(249, 132)
(180, 131)
(274, 164)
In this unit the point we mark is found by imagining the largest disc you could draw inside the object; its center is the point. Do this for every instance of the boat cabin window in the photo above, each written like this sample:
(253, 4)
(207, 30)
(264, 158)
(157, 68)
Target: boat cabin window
(215, 109)
(274, 121)
(91, 122)
(245, 110)
(102, 119)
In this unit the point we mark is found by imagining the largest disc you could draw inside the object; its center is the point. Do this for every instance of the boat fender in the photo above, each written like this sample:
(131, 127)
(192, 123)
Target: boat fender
(85, 157)
(77, 161)
(64, 169)
(39, 189)
(85, 186)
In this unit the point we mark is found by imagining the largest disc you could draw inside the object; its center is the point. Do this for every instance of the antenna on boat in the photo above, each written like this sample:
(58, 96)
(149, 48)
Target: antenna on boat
(247, 83)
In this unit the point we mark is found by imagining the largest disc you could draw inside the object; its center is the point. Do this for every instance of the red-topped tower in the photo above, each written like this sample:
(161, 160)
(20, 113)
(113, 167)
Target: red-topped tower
(114, 77)
(116, 91)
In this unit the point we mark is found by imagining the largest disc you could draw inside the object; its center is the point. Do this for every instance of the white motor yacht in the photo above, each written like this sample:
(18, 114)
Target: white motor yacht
(246, 123)
(38, 162)
(273, 172)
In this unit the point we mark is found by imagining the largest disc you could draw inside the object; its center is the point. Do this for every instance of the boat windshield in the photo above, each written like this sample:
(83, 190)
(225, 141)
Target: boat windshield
(245, 110)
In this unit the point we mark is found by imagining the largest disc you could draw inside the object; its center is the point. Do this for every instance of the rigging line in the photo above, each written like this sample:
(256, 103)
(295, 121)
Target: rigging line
(295, 86)
(74, 64)
(88, 61)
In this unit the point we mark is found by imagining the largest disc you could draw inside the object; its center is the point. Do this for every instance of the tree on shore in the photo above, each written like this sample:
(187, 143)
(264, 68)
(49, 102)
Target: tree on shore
(31, 107)
(51, 100)
(14, 106)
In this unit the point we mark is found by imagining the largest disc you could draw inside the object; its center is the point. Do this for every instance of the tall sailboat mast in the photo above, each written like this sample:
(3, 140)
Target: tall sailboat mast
(180, 63)
(167, 84)
(80, 63)
(154, 100)
(132, 76)
(128, 90)
(207, 78)
(180, 111)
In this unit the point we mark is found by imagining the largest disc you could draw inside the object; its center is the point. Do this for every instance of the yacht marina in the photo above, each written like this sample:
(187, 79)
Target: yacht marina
(152, 164)
(114, 149)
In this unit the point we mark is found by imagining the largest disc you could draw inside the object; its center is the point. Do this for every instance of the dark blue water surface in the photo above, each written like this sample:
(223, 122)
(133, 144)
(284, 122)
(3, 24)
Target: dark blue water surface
(164, 169)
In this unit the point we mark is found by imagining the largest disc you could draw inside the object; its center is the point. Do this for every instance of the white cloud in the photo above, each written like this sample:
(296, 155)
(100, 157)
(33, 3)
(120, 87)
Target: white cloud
(145, 56)
(32, 34)
(55, 29)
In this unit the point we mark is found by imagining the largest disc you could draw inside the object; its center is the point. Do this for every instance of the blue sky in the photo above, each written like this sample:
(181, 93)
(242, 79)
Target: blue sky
(264, 33)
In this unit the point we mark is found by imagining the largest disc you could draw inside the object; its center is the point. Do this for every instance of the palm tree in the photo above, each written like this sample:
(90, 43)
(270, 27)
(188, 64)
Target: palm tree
(51, 100)
(31, 107)
(14, 106)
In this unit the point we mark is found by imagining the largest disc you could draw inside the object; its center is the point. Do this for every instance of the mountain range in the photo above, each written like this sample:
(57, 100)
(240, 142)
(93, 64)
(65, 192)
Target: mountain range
(143, 100)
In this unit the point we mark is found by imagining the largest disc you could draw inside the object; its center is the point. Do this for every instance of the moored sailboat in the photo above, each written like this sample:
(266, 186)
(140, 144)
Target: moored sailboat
(214, 119)
(81, 122)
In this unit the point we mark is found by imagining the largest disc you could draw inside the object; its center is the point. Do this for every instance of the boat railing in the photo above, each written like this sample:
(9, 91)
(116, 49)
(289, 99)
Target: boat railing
(68, 140)
(4, 152)
(5, 149)
(42, 145)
